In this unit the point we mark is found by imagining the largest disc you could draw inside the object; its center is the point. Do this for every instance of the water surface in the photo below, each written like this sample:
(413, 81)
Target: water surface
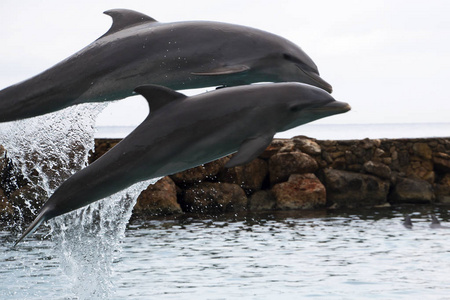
(291, 255)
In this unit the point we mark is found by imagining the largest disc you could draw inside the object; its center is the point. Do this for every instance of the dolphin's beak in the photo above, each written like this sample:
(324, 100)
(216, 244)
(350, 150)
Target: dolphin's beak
(318, 80)
(329, 109)
(322, 83)
(336, 107)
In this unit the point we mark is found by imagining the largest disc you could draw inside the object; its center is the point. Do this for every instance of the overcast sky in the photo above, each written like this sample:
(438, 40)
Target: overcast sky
(389, 59)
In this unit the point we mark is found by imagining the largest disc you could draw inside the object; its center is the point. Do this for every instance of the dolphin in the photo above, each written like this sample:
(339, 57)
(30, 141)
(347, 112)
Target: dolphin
(138, 50)
(182, 132)
(435, 224)
(407, 222)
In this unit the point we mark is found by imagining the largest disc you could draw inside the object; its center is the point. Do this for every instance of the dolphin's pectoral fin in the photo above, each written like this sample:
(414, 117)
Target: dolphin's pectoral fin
(227, 70)
(249, 150)
(123, 18)
(157, 96)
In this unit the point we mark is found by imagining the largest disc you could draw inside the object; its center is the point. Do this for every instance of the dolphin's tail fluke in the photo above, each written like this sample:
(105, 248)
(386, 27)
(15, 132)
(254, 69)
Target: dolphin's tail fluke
(42, 217)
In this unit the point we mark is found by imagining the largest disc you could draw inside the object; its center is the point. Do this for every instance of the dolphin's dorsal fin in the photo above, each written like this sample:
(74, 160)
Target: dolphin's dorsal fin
(250, 149)
(434, 220)
(157, 96)
(124, 18)
(407, 222)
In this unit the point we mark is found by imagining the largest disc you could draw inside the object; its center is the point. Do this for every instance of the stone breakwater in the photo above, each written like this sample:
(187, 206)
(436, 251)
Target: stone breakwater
(292, 174)
(305, 173)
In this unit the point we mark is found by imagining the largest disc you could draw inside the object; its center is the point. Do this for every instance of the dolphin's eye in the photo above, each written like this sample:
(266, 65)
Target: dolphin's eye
(298, 107)
(291, 58)
(298, 62)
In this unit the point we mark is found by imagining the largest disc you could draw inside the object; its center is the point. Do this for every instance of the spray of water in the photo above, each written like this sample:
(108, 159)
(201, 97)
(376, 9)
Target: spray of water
(89, 241)
(47, 150)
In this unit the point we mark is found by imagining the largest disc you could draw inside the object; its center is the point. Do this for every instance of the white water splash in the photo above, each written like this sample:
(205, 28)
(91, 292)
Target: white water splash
(88, 241)
(49, 149)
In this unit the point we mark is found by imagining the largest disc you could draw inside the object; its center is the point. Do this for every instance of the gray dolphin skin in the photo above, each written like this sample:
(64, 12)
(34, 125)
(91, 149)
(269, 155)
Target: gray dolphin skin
(183, 132)
(407, 221)
(138, 50)
(436, 224)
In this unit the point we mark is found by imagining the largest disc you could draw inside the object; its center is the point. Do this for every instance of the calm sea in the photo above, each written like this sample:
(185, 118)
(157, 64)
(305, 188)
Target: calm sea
(285, 255)
(331, 131)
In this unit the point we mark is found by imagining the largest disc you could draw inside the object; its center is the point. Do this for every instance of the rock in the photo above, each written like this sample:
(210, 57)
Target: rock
(329, 143)
(338, 154)
(386, 160)
(158, 199)
(101, 147)
(29, 199)
(419, 168)
(403, 158)
(361, 153)
(422, 150)
(274, 147)
(379, 152)
(348, 189)
(377, 169)
(339, 163)
(351, 159)
(368, 143)
(307, 146)
(198, 174)
(289, 146)
(326, 156)
(282, 165)
(262, 200)
(6, 209)
(11, 177)
(3, 158)
(302, 191)
(445, 180)
(442, 193)
(29, 196)
(394, 155)
(210, 197)
(442, 162)
(250, 176)
(407, 190)
(357, 168)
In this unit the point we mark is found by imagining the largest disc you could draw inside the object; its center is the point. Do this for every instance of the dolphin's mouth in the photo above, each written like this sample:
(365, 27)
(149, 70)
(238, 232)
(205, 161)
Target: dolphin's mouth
(317, 79)
(338, 105)
(329, 109)
(334, 107)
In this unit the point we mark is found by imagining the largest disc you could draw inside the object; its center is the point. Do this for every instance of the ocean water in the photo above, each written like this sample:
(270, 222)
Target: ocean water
(331, 131)
(48, 149)
(94, 254)
(285, 255)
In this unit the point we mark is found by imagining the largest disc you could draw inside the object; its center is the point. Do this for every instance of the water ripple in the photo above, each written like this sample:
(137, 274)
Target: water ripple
(332, 256)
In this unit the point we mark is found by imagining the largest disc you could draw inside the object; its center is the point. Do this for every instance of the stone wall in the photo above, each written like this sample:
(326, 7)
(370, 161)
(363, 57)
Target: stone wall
(297, 173)
(304, 173)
